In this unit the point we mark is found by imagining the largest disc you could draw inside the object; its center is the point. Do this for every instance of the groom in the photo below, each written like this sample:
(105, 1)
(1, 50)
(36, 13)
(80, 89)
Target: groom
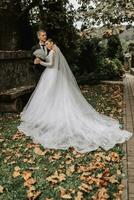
(38, 69)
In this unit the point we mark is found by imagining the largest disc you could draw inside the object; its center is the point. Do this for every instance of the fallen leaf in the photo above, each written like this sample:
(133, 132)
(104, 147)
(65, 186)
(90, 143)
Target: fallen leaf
(66, 196)
(56, 156)
(62, 191)
(79, 196)
(26, 175)
(30, 194)
(30, 181)
(1, 189)
(17, 136)
(118, 172)
(102, 194)
(1, 140)
(85, 187)
(70, 170)
(16, 174)
(33, 195)
(38, 151)
(69, 159)
(121, 187)
(112, 179)
(17, 168)
(56, 177)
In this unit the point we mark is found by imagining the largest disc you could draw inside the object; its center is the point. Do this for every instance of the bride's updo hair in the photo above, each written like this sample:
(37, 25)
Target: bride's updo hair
(50, 44)
(50, 40)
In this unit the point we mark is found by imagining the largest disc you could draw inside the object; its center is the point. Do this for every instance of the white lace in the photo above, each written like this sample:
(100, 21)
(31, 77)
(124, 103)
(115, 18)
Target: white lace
(58, 116)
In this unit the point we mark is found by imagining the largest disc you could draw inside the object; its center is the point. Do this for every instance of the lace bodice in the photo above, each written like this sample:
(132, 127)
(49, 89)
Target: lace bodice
(49, 60)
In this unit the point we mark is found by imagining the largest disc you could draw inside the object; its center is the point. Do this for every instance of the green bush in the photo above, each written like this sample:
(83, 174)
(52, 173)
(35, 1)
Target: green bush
(114, 48)
(89, 49)
(109, 69)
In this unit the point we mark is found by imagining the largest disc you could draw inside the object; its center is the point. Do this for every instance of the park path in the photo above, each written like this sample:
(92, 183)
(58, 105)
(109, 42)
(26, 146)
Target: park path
(129, 125)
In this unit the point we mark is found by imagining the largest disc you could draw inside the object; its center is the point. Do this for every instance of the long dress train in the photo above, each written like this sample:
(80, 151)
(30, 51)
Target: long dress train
(58, 116)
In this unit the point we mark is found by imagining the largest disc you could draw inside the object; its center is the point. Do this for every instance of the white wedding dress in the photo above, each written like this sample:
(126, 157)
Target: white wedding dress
(58, 116)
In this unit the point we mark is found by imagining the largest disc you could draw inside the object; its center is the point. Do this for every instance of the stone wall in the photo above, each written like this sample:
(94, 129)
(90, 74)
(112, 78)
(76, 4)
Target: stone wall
(15, 69)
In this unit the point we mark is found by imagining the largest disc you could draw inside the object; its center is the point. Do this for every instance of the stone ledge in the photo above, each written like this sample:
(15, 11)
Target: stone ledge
(13, 93)
(19, 54)
(120, 82)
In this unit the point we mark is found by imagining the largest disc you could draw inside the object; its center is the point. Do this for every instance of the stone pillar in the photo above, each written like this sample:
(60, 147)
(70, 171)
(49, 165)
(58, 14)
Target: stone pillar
(15, 69)
(127, 63)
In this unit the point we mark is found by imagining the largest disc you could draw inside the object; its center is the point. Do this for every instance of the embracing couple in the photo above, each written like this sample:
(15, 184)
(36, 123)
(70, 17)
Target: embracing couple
(57, 115)
(42, 37)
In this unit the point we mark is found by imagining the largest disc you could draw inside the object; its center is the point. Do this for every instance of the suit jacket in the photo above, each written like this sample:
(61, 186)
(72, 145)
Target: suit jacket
(38, 69)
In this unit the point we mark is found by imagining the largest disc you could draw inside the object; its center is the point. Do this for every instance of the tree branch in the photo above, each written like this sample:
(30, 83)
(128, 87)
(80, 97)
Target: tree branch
(29, 7)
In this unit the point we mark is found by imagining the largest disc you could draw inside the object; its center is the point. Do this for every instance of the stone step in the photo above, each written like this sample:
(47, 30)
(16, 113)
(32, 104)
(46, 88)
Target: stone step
(13, 93)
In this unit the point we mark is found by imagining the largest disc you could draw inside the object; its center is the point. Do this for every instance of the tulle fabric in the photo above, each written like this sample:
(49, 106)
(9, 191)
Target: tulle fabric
(58, 116)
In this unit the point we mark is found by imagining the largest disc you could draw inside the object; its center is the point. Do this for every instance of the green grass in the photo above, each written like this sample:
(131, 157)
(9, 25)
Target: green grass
(100, 171)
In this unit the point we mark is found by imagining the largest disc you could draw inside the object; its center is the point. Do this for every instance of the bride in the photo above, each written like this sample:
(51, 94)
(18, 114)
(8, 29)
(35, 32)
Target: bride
(58, 116)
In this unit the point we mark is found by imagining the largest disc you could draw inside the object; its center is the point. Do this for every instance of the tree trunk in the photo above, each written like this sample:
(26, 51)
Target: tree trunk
(15, 31)
(9, 25)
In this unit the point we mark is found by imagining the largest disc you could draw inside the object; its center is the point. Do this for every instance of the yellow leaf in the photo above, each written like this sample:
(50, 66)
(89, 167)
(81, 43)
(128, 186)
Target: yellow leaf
(66, 196)
(1, 189)
(121, 187)
(56, 177)
(26, 175)
(99, 175)
(1, 140)
(62, 177)
(36, 195)
(102, 194)
(33, 194)
(108, 158)
(17, 136)
(62, 191)
(17, 168)
(70, 170)
(69, 159)
(31, 161)
(52, 180)
(38, 151)
(84, 187)
(30, 194)
(112, 179)
(114, 156)
(56, 156)
(79, 196)
(31, 181)
(16, 174)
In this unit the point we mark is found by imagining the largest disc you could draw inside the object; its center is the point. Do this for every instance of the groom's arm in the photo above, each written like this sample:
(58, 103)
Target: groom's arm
(32, 55)
(31, 62)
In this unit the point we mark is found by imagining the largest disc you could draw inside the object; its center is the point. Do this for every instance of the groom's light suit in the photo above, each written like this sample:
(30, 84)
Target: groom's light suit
(38, 69)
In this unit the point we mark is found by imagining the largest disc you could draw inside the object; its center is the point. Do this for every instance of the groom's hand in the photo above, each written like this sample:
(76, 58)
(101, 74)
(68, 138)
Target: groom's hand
(37, 61)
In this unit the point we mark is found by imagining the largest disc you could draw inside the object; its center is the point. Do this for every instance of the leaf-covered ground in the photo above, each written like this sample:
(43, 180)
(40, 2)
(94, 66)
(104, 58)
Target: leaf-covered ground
(28, 171)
